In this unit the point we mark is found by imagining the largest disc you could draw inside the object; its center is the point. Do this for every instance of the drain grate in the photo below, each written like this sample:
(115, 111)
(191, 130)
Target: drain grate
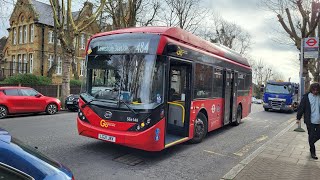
(128, 159)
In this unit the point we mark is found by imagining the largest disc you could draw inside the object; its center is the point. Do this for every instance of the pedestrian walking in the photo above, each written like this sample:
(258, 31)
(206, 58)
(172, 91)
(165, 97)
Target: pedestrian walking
(309, 108)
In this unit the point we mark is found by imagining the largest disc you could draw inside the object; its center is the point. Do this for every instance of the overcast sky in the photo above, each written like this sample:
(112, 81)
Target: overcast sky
(250, 16)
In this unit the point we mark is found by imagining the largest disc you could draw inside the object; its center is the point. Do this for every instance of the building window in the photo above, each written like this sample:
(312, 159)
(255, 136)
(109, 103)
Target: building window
(30, 63)
(24, 64)
(50, 61)
(75, 64)
(25, 34)
(31, 32)
(50, 40)
(59, 66)
(82, 41)
(14, 36)
(81, 67)
(13, 64)
(58, 42)
(19, 63)
(20, 35)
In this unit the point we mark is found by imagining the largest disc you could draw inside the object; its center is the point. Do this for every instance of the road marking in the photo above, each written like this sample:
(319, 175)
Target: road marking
(247, 147)
(239, 167)
(211, 152)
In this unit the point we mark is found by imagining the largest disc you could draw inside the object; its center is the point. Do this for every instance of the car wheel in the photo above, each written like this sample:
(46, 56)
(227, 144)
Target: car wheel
(51, 109)
(239, 116)
(3, 112)
(200, 128)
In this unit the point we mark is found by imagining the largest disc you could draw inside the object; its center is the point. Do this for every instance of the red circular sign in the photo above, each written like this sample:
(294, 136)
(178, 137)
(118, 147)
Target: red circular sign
(311, 42)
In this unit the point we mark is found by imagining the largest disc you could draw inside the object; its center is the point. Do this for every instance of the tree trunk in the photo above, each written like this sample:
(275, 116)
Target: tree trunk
(74, 71)
(65, 77)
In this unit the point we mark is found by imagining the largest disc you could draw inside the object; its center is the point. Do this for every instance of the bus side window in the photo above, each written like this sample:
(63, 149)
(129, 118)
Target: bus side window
(217, 83)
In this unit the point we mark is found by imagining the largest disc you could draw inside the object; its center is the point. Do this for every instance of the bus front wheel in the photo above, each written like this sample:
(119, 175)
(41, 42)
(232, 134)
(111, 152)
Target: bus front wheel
(200, 128)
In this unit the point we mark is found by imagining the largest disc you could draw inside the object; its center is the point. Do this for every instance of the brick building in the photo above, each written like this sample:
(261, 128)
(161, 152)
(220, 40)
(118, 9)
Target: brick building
(30, 45)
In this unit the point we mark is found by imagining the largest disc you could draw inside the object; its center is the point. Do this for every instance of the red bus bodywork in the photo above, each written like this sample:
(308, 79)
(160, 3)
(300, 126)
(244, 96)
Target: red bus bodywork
(145, 140)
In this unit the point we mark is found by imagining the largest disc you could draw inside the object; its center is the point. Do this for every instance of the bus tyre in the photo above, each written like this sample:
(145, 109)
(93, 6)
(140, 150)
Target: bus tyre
(3, 112)
(200, 128)
(239, 117)
(51, 109)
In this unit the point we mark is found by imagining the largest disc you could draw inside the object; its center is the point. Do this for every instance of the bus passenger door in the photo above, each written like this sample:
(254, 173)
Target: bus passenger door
(179, 101)
(227, 95)
(234, 103)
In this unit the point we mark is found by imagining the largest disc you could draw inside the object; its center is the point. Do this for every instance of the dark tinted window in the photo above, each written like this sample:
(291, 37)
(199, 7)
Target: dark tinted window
(217, 83)
(12, 92)
(7, 172)
(203, 81)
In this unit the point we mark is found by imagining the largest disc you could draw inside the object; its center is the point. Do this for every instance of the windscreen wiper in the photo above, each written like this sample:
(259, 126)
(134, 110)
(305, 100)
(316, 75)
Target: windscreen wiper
(132, 110)
(94, 99)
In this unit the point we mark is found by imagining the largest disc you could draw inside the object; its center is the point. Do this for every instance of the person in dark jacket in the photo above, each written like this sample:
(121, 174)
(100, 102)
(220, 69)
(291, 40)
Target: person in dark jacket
(309, 108)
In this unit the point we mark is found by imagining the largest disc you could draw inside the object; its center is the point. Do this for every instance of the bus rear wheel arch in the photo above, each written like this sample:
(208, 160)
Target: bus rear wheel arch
(200, 128)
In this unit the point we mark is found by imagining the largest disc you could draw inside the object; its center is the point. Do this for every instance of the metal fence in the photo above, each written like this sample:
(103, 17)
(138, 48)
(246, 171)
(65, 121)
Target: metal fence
(48, 90)
(13, 68)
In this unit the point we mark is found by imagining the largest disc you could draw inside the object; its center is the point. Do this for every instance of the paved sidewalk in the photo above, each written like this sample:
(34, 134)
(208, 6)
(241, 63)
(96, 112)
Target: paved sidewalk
(285, 157)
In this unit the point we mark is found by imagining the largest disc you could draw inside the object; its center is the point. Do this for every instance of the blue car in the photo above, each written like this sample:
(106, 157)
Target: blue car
(19, 161)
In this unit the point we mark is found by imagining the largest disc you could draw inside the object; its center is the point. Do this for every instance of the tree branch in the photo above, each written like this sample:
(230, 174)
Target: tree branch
(55, 16)
(294, 33)
(285, 27)
(93, 17)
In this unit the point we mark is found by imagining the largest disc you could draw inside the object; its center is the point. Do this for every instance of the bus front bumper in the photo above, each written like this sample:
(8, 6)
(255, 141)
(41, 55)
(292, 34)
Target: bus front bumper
(148, 140)
(282, 108)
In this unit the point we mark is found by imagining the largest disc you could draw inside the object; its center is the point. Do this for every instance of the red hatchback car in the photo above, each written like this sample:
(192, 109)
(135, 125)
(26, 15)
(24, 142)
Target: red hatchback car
(15, 100)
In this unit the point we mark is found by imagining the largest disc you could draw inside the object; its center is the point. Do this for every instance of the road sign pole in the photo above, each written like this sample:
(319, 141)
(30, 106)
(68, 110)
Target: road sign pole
(299, 128)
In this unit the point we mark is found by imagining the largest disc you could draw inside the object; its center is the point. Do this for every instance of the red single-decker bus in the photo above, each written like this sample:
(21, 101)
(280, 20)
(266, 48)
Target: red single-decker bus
(153, 87)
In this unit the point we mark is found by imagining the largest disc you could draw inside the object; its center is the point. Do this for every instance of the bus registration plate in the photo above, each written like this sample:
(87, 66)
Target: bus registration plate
(107, 138)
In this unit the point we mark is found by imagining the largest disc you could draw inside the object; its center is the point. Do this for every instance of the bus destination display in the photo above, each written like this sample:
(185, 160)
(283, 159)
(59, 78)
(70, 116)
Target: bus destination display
(140, 46)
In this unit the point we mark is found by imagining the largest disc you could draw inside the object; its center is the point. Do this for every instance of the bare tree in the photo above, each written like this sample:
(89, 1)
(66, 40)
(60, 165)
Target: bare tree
(231, 35)
(67, 30)
(127, 13)
(262, 72)
(186, 14)
(299, 20)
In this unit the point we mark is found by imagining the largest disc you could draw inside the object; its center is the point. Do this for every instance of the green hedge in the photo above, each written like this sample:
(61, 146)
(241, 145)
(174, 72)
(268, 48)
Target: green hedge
(74, 82)
(28, 79)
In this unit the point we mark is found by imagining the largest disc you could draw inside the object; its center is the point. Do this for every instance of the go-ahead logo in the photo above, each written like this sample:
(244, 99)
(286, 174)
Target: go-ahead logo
(106, 124)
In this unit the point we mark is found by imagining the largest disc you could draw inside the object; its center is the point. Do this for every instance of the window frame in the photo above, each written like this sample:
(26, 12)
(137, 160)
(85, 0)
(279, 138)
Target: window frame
(25, 34)
(20, 35)
(50, 37)
(31, 33)
(59, 66)
(14, 36)
(31, 63)
(15, 171)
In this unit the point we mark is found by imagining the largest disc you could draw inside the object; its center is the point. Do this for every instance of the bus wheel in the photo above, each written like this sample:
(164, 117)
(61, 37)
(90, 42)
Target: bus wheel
(200, 128)
(239, 116)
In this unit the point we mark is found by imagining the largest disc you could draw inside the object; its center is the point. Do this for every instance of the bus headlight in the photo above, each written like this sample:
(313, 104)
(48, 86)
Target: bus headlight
(141, 126)
(82, 117)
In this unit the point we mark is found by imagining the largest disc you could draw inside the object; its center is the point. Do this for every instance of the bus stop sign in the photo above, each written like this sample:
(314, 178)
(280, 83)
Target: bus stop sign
(311, 47)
